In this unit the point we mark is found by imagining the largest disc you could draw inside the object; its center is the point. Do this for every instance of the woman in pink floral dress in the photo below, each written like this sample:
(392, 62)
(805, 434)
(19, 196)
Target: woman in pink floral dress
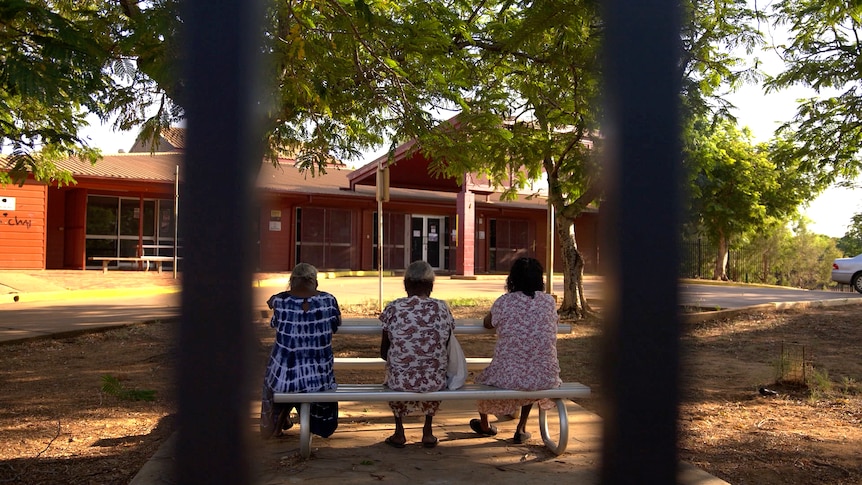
(525, 356)
(416, 332)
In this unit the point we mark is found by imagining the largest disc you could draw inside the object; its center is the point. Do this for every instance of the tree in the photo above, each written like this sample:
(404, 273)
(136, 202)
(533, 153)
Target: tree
(51, 60)
(542, 81)
(737, 188)
(851, 243)
(824, 53)
(533, 107)
(347, 76)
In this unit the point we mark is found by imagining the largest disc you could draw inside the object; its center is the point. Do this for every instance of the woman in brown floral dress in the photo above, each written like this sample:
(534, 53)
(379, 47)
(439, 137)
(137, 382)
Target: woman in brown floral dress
(416, 331)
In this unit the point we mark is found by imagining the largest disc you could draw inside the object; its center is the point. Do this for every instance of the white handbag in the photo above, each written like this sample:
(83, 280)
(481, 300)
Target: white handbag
(456, 371)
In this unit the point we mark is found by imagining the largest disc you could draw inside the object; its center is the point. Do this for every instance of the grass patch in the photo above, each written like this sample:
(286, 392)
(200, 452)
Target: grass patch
(112, 386)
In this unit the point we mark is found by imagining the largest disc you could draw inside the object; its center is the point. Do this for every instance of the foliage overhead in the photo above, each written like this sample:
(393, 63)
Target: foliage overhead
(823, 53)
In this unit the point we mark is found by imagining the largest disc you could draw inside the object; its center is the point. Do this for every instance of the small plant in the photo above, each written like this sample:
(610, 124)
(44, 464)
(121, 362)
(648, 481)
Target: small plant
(819, 384)
(111, 385)
(849, 386)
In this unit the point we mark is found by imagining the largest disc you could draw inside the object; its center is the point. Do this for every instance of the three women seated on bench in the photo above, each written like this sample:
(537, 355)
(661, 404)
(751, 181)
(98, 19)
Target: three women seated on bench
(416, 330)
(301, 358)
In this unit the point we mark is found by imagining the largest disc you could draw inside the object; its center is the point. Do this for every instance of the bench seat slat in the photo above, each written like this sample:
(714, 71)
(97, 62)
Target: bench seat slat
(378, 392)
(370, 363)
(465, 329)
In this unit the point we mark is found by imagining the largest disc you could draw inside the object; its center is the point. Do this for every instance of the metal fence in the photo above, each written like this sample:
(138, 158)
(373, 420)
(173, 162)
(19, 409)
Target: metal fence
(640, 355)
(697, 260)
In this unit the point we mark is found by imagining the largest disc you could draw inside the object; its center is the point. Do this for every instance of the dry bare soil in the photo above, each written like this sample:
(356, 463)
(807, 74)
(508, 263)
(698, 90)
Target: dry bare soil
(58, 426)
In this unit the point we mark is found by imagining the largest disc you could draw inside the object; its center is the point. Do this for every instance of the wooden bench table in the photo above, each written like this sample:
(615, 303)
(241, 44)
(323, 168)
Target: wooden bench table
(378, 392)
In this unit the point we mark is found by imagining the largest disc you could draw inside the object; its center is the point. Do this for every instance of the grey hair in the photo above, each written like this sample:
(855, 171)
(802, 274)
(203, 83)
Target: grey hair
(419, 271)
(303, 274)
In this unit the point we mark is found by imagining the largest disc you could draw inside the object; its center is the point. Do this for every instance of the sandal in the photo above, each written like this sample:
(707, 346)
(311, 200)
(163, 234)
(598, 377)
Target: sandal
(521, 437)
(476, 425)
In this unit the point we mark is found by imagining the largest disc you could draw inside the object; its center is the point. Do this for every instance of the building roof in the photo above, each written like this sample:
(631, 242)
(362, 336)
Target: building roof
(170, 140)
(284, 178)
(159, 167)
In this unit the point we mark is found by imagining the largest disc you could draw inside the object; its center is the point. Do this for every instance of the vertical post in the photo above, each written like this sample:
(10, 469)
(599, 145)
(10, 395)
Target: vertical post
(176, 217)
(640, 344)
(382, 183)
(380, 255)
(140, 249)
(549, 261)
(215, 341)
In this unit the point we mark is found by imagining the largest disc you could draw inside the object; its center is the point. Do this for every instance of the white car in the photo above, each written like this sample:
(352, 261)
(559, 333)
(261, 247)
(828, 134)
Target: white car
(848, 271)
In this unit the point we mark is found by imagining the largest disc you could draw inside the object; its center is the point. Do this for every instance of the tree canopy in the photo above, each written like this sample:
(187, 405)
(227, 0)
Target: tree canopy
(823, 53)
(737, 187)
(51, 60)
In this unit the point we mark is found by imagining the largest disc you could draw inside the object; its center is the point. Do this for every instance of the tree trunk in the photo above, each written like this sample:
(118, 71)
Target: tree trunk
(574, 301)
(721, 258)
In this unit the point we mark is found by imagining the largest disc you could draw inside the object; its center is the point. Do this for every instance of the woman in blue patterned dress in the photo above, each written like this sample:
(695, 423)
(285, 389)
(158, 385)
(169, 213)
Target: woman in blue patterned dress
(416, 332)
(301, 358)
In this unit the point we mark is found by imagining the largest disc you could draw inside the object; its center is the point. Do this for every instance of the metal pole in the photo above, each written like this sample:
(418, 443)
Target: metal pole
(380, 196)
(380, 255)
(549, 284)
(176, 216)
(215, 343)
(640, 358)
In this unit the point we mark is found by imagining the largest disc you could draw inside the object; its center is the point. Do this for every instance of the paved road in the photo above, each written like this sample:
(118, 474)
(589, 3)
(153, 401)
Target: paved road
(40, 318)
(724, 296)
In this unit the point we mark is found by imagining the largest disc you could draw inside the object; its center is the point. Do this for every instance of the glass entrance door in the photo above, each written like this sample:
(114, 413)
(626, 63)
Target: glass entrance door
(426, 239)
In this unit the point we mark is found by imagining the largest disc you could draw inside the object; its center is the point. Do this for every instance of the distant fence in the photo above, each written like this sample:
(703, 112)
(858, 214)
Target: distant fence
(697, 260)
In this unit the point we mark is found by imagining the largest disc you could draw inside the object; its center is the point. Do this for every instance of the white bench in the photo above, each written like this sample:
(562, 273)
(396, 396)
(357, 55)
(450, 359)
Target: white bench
(378, 392)
(159, 260)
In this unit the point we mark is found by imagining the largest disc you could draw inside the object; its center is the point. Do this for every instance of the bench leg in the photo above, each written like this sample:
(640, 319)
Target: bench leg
(305, 430)
(104, 266)
(556, 448)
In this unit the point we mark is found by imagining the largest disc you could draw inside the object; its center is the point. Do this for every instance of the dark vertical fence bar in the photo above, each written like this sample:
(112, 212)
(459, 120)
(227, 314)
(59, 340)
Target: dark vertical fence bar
(215, 332)
(640, 240)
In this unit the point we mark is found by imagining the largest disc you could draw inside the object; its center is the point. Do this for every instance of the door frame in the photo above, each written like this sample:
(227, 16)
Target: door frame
(425, 235)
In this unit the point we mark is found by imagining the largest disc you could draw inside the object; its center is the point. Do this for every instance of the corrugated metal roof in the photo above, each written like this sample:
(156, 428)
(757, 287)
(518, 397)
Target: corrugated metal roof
(287, 178)
(160, 167)
(170, 140)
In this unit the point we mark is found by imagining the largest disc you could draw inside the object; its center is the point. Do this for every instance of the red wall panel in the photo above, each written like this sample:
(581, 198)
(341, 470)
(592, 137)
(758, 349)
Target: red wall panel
(22, 226)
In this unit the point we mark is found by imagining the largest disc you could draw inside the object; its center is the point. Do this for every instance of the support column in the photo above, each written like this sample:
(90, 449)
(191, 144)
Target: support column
(465, 253)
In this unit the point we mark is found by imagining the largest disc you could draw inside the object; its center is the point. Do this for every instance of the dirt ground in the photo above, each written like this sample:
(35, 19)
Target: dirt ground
(58, 426)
